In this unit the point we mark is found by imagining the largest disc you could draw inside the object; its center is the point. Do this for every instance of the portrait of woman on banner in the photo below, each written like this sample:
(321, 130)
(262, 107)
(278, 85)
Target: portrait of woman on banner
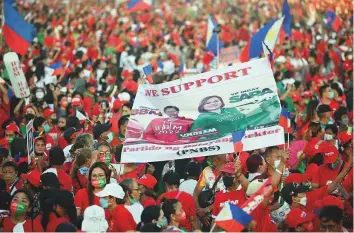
(214, 115)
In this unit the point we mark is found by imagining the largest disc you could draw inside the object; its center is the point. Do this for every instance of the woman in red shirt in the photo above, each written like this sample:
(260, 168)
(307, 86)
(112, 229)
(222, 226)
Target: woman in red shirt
(19, 220)
(146, 185)
(98, 177)
(81, 166)
(58, 209)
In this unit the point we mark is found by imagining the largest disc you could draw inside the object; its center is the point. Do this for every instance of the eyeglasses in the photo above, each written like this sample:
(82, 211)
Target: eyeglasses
(103, 153)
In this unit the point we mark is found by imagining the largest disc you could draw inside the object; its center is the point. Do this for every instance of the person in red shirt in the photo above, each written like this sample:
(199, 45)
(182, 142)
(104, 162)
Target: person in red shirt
(20, 208)
(51, 118)
(166, 130)
(59, 209)
(10, 176)
(146, 185)
(122, 126)
(56, 162)
(172, 182)
(98, 177)
(299, 220)
(314, 136)
(4, 107)
(327, 97)
(112, 199)
(117, 114)
(233, 193)
(42, 128)
(81, 166)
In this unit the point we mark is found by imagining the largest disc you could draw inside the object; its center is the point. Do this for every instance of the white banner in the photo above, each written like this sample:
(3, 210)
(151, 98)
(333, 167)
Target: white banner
(198, 115)
(17, 78)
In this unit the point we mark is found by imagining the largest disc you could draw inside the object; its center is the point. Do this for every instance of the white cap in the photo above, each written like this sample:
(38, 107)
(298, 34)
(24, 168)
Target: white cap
(114, 190)
(124, 96)
(280, 59)
(94, 220)
(254, 186)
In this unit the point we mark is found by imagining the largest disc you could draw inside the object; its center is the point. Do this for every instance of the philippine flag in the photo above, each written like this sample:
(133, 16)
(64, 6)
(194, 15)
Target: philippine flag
(232, 218)
(287, 20)
(284, 120)
(332, 20)
(212, 38)
(181, 70)
(138, 5)
(18, 33)
(267, 34)
(148, 72)
(237, 140)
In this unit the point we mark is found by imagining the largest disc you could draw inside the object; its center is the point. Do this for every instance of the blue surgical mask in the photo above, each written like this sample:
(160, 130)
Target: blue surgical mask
(163, 223)
(83, 170)
(331, 95)
(46, 128)
(103, 203)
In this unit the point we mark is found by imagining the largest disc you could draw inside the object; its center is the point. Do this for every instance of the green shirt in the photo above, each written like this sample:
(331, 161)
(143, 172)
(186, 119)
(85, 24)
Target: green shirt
(227, 121)
(288, 100)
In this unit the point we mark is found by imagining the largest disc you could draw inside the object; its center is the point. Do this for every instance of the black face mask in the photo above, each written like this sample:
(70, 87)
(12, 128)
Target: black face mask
(29, 116)
(62, 128)
(54, 121)
(228, 181)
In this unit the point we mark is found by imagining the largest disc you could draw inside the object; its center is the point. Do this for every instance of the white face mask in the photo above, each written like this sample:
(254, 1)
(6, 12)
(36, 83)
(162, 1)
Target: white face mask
(110, 137)
(276, 163)
(39, 95)
(328, 137)
(303, 201)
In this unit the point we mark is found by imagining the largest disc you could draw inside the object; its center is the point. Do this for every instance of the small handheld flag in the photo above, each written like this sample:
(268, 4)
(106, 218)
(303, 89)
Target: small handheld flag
(332, 20)
(287, 19)
(232, 218)
(284, 120)
(148, 72)
(237, 140)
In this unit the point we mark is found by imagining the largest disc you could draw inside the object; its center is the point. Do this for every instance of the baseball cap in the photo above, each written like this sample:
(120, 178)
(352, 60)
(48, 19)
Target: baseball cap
(345, 137)
(117, 104)
(330, 152)
(112, 189)
(307, 94)
(147, 180)
(296, 98)
(229, 168)
(70, 133)
(323, 108)
(296, 178)
(76, 101)
(312, 147)
(34, 177)
(50, 179)
(40, 138)
(297, 216)
(64, 198)
(130, 86)
(48, 112)
(100, 128)
(254, 186)
(292, 189)
(127, 73)
(13, 127)
(94, 219)
(124, 97)
(329, 201)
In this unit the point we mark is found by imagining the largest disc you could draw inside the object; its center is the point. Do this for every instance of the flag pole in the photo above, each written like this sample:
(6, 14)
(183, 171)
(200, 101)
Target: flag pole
(213, 227)
(217, 31)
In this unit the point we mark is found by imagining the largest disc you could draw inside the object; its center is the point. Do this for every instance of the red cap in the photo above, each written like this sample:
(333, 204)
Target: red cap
(40, 137)
(13, 127)
(330, 152)
(229, 168)
(48, 112)
(34, 177)
(345, 137)
(307, 94)
(127, 73)
(296, 98)
(147, 180)
(76, 101)
(329, 201)
(296, 178)
(117, 104)
(131, 86)
(312, 147)
(297, 216)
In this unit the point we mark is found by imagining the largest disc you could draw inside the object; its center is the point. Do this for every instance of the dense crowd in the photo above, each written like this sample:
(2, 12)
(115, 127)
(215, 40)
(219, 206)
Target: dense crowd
(76, 182)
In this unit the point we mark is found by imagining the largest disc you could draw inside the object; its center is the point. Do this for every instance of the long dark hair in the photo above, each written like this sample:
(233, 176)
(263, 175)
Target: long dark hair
(313, 130)
(169, 207)
(204, 100)
(90, 188)
(81, 157)
(311, 110)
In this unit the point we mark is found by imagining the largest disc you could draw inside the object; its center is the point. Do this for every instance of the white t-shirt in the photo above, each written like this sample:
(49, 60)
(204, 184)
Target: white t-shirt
(136, 209)
(67, 153)
(188, 186)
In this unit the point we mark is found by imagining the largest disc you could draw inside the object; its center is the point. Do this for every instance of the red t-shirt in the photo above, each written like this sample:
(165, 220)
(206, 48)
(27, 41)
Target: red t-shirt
(65, 180)
(237, 197)
(82, 200)
(148, 201)
(29, 226)
(313, 196)
(188, 205)
(116, 223)
(54, 221)
(333, 105)
(325, 175)
(5, 115)
(261, 215)
(80, 182)
(348, 182)
(311, 170)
